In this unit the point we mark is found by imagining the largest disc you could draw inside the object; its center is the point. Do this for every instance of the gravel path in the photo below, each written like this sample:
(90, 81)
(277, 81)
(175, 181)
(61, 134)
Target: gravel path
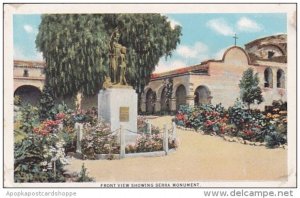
(198, 158)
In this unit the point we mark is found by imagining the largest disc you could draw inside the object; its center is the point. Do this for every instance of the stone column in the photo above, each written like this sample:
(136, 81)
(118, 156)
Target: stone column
(157, 106)
(143, 104)
(122, 142)
(166, 140)
(190, 100)
(149, 130)
(173, 104)
(79, 133)
(174, 130)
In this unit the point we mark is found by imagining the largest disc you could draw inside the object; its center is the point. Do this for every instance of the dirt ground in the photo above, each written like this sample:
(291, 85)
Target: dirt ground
(198, 158)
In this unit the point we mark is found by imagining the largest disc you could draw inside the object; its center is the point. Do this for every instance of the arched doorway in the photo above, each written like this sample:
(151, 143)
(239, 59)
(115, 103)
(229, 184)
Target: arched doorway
(280, 78)
(268, 74)
(150, 101)
(28, 94)
(163, 100)
(202, 95)
(180, 96)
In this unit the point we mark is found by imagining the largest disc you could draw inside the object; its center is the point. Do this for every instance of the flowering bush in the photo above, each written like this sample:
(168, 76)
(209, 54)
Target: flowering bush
(98, 140)
(250, 123)
(150, 143)
(254, 125)
(86, 116)
(208, 118)
(41, 155)
(182, 116)
(277, 115)
(46, 127)
(40, 158)
(142, 126)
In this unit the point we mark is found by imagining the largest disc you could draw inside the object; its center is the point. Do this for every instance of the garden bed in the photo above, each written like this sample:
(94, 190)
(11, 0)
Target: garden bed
(127, 155)
(238, 123)
(232, 139)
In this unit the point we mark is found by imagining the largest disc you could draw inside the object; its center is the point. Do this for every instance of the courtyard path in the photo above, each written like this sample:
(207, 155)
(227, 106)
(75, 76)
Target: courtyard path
(198, 158)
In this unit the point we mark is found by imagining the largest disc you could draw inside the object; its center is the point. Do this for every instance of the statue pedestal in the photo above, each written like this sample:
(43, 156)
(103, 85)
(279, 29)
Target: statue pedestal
(118, 106)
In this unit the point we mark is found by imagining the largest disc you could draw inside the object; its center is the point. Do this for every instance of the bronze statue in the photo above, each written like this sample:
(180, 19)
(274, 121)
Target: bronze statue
(122, 66)
(114, 49)
(117, 59)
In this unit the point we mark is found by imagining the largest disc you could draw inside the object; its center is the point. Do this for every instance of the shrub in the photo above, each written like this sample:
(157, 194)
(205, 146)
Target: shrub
(181, 117)
(275, 139)
(19, 135)
(276, 104)
(277, 115)
(206, 117)
(46, 103)
(70, 140)
(142, 126)
(88, 116)
(29, 118)
(249, 88)
(17, 100)
(83, 175)
(39, 158)
(98, 140)
(250, 124)
(150, 143)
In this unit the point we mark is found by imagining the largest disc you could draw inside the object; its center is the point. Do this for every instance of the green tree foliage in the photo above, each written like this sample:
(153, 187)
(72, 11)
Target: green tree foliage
(249, 88)
(75, 47)
(29, 118)
(46, 103)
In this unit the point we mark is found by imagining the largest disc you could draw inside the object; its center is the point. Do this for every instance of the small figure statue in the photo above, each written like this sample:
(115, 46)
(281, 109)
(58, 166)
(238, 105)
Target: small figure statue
(107, 82)
(122, 66)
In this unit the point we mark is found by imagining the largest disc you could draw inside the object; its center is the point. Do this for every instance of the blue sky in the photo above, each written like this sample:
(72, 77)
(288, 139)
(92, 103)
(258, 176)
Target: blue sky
(205, 36)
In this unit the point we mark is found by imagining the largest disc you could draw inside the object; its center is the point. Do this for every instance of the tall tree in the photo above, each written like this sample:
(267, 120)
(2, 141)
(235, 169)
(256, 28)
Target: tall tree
(249, 88)
(75, 47)
(47, 103)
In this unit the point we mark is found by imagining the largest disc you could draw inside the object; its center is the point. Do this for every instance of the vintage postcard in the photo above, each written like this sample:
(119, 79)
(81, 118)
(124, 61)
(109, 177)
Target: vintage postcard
(150, 95)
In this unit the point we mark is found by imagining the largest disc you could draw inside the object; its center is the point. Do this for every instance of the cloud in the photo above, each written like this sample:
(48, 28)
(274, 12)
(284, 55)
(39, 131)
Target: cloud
(39, 56)
(195, 51)
(245, 24)
(173, 23)
(28, 28)
(19, 54)
(220, 53)
(168, 65)
(184, 56)
(220, 26)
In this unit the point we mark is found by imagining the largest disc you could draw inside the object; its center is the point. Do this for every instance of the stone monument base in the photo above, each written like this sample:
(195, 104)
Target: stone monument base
(118, 106)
